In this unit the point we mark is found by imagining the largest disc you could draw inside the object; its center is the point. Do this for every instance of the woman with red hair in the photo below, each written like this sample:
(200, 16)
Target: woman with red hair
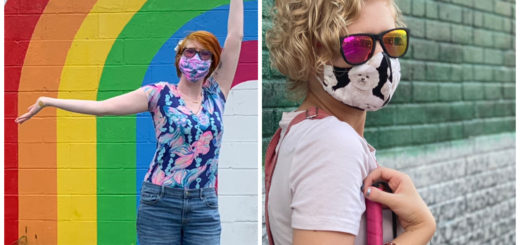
(178, 203)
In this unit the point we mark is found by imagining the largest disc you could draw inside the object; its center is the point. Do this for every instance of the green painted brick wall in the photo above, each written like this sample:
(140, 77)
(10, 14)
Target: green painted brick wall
(458, 77)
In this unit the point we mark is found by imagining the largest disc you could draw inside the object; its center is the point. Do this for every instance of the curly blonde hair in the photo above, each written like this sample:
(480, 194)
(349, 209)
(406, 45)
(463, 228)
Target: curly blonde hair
(301, 28)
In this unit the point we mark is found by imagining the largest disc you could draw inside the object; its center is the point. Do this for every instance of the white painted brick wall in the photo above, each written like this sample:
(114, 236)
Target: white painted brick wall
(238, 167)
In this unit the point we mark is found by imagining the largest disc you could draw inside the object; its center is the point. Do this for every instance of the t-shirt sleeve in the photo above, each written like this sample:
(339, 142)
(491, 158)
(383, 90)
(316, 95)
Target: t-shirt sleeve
(152, 92)
(326, 176)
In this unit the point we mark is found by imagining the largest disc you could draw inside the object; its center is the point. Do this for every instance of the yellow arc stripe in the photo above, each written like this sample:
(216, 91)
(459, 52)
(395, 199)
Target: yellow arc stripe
(76, 134)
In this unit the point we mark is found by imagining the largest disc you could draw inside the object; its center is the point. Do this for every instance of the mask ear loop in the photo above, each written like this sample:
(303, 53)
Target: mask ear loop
(322, 78)
(386, 187)
(391, 76)
(389, 66)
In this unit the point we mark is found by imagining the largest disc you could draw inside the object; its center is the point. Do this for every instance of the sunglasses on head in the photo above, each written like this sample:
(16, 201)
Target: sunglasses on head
(203, 54)
(358, 48)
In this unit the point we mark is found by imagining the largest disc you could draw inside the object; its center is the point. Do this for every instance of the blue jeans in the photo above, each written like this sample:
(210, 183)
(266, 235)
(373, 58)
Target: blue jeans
(177, 216)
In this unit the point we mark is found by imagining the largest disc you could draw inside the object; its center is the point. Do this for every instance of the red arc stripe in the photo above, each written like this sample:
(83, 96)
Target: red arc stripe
(20, 18)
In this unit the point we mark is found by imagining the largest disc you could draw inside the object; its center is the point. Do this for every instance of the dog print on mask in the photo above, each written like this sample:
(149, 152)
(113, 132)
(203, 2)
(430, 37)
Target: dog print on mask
(365, 84)
(366, 87)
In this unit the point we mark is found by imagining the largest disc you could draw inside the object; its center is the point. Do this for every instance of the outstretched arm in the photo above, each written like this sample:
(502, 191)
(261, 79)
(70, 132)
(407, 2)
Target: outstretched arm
(225, 71)
(129, 103)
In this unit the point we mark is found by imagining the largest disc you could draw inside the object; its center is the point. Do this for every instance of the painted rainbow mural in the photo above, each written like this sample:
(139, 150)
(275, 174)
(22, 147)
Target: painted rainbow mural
(72, 178)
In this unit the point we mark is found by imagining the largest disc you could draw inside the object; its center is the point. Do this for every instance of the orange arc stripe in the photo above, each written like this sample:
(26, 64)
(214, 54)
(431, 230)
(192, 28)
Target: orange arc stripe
(40, 76)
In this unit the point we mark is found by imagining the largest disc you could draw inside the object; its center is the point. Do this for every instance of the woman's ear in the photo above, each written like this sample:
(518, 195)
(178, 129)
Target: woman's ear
(318, 49)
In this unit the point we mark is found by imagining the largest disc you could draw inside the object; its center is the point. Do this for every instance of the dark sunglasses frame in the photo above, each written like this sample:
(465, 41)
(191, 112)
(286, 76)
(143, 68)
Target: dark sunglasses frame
(197, 52)
(375, 37)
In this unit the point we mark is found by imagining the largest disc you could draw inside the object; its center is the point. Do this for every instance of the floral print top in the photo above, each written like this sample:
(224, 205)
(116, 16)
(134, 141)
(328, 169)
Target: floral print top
(188, 144)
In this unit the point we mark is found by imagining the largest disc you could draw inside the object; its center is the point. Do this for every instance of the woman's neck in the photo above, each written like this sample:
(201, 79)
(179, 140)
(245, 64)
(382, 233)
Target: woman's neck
(190, 89)
(317, 96)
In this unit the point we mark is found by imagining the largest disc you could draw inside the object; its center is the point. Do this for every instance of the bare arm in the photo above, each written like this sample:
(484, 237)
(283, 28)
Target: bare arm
(129, 103)
(225, 71)
(310, 237)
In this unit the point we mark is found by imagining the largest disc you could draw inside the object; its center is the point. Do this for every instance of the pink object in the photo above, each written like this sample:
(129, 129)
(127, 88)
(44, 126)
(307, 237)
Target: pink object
(247, 63)
(374, 219)
(194, 68)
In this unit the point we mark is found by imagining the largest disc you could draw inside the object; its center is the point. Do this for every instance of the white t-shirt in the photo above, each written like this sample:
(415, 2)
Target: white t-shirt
(316, 183)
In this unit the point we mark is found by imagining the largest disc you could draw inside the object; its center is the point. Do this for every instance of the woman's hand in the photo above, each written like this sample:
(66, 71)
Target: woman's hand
(41, 102)
(414, 215)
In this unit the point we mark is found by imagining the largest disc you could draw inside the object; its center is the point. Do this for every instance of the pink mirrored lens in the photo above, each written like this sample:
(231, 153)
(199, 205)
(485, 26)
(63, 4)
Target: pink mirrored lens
(357, 48)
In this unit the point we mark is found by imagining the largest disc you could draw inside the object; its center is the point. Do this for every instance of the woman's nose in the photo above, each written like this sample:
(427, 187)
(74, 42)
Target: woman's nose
(378, 48)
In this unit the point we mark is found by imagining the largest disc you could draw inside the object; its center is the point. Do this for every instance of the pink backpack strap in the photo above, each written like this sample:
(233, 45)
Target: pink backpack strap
(271, 157)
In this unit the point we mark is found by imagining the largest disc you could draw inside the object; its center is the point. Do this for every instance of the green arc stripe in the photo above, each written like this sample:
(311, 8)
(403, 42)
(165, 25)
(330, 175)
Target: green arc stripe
(124, 70)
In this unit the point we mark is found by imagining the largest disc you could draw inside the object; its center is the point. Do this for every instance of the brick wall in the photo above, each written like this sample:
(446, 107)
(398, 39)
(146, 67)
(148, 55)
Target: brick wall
(238, 168)
(451, 123)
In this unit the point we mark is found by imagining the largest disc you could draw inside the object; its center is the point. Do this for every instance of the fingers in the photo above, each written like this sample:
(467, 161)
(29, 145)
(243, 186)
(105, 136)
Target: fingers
(371, 178)
(405, 201)
(22, 118)
(379, 174)
(32, 110)
(393, 177)
(379, 196)
(19, 120)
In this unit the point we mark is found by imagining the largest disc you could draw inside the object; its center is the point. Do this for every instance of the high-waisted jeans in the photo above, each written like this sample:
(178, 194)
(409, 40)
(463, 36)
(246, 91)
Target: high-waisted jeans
(178, 216)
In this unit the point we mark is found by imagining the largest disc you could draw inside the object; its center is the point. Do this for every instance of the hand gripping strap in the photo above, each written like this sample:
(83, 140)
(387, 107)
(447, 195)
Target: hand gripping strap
(374, 217)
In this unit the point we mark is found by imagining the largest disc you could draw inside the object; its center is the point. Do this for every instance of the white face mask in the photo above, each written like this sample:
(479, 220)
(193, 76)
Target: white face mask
(368, 86)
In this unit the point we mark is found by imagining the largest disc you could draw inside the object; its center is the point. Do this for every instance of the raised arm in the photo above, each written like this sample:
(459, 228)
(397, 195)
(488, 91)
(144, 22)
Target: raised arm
(129, 103)
(225, 71)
